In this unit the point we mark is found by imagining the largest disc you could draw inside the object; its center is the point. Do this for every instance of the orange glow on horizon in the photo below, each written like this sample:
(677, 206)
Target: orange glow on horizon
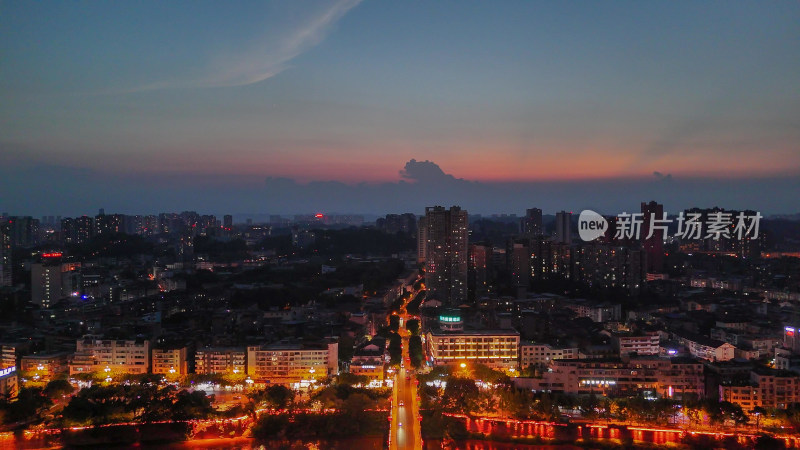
(489, 163)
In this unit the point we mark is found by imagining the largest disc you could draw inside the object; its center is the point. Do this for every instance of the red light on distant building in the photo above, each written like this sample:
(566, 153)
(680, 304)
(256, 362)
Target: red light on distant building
(319, 215)
(51, 255)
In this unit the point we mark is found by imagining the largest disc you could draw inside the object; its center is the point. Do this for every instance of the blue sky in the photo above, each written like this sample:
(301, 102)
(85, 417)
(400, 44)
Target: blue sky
(147, 106)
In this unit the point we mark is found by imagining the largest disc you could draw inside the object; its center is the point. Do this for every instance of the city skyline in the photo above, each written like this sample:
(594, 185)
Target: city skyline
(140, 108)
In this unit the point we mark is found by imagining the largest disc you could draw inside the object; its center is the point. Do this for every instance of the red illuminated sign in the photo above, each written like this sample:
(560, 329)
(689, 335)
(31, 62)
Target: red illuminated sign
(51, 255)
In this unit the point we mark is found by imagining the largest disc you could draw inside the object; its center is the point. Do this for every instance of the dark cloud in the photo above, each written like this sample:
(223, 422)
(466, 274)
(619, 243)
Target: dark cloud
(424, 171)
(662, 177)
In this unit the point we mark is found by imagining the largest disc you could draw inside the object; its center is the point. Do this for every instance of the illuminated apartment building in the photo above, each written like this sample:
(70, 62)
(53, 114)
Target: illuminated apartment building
(220, 361)
(291, 363)
(446, 254)
(170, 361)
(95, 353)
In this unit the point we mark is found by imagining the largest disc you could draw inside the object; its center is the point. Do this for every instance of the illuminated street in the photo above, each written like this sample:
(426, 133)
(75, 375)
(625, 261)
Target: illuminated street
(405, 430)
(405, 425)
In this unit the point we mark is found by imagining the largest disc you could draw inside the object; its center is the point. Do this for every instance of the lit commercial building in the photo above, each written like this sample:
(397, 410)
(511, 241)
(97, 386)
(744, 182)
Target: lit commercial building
(498, 349)
(94, 354)
(220, 361)
(170, 361)
(292, 363)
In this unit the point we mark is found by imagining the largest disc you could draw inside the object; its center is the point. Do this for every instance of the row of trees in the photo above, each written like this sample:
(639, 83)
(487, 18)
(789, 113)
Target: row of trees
(32, 402)
(145, 402)
(356, 412)
(457, 391)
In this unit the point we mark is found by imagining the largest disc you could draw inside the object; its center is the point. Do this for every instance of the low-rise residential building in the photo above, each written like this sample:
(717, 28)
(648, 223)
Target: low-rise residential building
(640, 344)
(706, 348)
(95, 353)
(230, 360)
(498, 349)
(44, 367)
(170, 361)
(291, 362)
(369, 360)
(531, 353)
(786, 360)
(602, 312)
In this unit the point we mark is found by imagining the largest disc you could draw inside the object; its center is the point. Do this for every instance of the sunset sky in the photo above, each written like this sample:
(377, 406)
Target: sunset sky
(143, 106)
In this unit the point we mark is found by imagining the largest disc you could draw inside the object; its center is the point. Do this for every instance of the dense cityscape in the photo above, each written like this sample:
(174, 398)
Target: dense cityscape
(366, 225)
(406, 330)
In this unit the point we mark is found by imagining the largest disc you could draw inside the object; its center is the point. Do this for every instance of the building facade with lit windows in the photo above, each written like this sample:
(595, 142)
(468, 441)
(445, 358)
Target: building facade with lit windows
(170, 361)
(532, 354)
(767, 388)
(446, 254)
(9, 355)
(97, 354)
(5, 255)
(369, 361)
(9, 382)
(640, 344)
(498, 349)
(291, 363)
(706, 348)
(615, 377)
(44, 367)
(209, 361)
